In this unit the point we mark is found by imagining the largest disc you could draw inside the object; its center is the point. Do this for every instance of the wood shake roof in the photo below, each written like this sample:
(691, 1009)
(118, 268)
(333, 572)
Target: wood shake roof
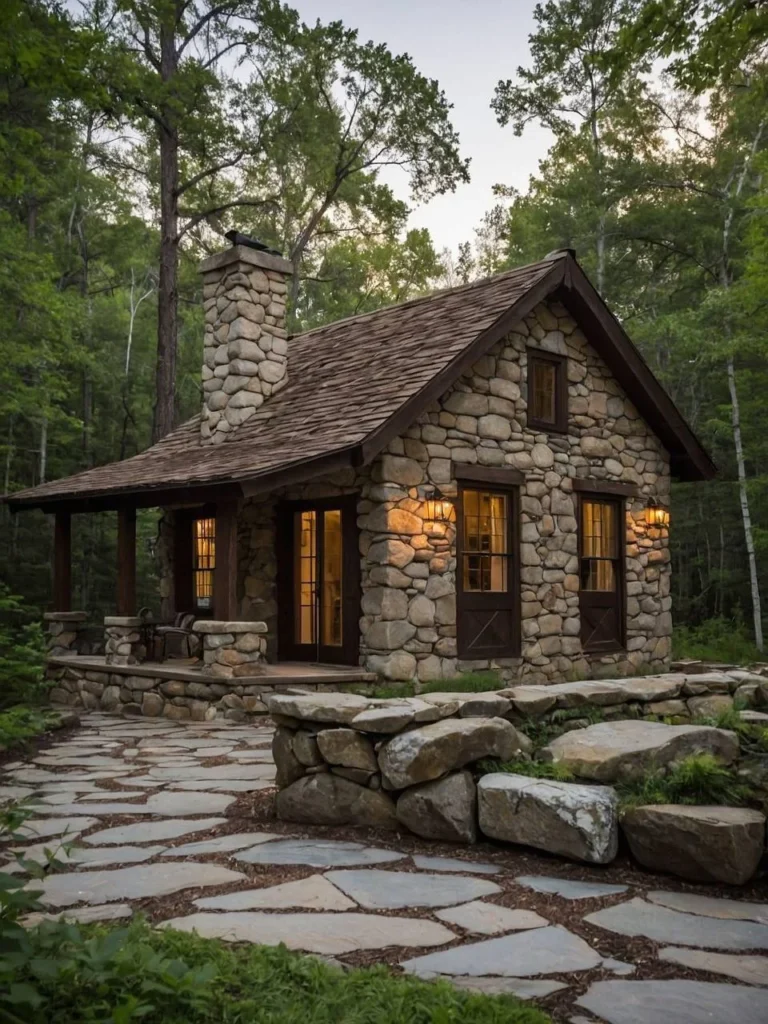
(354, 384)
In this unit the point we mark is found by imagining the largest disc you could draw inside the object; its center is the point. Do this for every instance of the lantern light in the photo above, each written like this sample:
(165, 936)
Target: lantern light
(438, 509)
(656, 514)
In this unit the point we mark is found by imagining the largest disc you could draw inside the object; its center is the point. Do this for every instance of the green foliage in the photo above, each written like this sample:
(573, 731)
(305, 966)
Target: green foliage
(19, 724)
(715, 640)
(466, 682)
(534, 769)
(22, 647)
(698, 779)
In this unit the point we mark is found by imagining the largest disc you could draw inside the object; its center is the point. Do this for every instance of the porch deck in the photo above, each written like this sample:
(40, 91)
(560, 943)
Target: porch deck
(285, 673)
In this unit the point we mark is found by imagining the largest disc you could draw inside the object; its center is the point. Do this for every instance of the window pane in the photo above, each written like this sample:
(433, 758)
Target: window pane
(485, 539)
(599, 533)
(543, 383)
(305, 589)
(332, 578)
(598, 574)
(204, 561)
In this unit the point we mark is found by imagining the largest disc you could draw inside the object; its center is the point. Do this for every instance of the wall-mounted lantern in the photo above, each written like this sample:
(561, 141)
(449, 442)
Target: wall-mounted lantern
(438, 508)
(656, 514)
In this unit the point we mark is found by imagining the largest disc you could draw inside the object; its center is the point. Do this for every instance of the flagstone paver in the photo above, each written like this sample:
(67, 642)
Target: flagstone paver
(551, 950)
(349, 903)
(751, 969)
(151, 831)
(132, 883)
(392, 890)
(569, 889)
(684, 1002)
(489, 919)
(318, 853)
(332, 934)
(313, 893)
(636, 917)
(83, 915)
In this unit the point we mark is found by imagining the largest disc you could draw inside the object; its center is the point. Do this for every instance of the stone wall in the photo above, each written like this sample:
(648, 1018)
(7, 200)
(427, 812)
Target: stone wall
(124, 644)
(408, 564)
(233, 649)
(63, 629)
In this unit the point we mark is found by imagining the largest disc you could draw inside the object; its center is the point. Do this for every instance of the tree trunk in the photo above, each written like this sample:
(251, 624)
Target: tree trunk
(167, 297)
(744, 502)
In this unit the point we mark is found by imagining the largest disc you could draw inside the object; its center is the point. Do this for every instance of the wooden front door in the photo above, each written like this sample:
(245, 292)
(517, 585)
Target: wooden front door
(319, 581)
(488, 578)
(601, 595)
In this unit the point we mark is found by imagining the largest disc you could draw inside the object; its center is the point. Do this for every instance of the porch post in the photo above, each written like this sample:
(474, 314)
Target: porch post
(225, 570)
(62, 562)
(126, 561)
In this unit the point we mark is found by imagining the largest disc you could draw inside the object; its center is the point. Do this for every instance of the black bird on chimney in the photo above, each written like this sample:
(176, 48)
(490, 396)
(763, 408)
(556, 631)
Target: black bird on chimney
(237, 238)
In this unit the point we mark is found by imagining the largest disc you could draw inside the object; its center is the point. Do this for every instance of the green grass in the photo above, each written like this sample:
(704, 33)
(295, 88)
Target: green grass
(19, 724)
(533, 769)
(716, 640)
(699, 779)
(467, 682)
(166, 977)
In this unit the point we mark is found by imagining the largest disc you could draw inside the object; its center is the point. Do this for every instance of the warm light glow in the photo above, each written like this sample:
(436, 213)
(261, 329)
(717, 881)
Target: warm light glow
(656, 515)
(438, 509)
(204, 561)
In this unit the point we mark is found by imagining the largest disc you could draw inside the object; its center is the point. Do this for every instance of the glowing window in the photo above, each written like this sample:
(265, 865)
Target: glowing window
(204, 561)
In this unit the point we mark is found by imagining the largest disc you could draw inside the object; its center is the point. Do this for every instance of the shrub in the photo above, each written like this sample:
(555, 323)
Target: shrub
(22, 651)
(467, 682)
(534, 769)
(697, 779)
(716, 640)
(21, 723)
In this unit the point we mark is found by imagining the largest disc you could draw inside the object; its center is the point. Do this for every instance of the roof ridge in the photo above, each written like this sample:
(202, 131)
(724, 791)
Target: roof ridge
(439, 293)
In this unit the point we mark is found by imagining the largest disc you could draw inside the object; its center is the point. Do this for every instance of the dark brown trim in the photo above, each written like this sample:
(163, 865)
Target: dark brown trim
(560, 423)
(606, 487)
(146, 498)
(126, 561)
(479, 602)
(62, 562)
(501, 475)
(225, 566)
(409, 410)
(621, 523)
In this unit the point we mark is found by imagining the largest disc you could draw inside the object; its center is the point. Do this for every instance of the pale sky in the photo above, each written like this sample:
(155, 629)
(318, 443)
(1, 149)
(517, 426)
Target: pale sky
(467, 45)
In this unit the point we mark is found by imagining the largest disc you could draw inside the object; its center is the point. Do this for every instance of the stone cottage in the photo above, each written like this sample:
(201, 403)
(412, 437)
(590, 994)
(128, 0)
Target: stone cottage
(475, 479)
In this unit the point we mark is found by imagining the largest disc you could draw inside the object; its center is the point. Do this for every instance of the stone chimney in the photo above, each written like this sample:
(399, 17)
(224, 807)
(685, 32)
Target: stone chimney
(246, 352)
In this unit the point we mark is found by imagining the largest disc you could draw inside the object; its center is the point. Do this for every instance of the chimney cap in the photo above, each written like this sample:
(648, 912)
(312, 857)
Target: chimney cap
(558, 253)
(237, 238)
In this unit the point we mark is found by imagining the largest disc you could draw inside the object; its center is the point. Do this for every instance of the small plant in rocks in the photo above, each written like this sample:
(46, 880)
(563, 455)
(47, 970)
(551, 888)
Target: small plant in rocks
(699, 779)
(533, 769)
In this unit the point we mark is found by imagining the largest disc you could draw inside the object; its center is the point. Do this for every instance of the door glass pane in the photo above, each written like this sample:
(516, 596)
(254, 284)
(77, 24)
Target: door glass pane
(598, 574)
(305, 586)
(543, 384)
(331, 598)
(486, 528)
(599, 534)
(204, 561)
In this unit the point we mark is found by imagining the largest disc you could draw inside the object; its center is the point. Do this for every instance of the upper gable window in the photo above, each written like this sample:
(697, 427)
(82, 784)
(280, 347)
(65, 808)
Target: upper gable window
(547, 391)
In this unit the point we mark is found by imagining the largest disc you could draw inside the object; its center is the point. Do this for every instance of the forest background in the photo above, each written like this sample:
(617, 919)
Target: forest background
(134, 133)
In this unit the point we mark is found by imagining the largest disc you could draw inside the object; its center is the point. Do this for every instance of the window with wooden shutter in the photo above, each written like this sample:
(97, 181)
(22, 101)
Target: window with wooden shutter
(547, 391)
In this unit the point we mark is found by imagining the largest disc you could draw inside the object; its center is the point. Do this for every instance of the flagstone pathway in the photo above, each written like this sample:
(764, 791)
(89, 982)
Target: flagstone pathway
(173, 820)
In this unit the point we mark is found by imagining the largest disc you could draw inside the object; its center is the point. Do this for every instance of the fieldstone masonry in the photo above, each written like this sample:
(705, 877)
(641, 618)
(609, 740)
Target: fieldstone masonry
(408, 564)
(63, 629)
(232, 648)
(245, 356)
(124, 644)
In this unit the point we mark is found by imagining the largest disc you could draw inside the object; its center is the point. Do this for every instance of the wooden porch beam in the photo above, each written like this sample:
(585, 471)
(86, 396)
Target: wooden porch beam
(126, 561)
(62, 562)
(225, 569)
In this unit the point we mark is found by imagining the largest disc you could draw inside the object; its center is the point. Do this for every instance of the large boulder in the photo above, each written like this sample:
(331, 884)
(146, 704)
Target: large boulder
(288, 768)
(603, 692)
(445, 809)
(484, 704)
(621, 750)
(328, 799)
(431, 751)
(560, 817)
(703, 844)
(347, 748)
(335, 708)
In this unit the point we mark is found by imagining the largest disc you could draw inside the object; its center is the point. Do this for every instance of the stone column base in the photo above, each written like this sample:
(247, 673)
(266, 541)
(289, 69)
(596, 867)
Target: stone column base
(63, 628)
(233, 648)
(124, 644)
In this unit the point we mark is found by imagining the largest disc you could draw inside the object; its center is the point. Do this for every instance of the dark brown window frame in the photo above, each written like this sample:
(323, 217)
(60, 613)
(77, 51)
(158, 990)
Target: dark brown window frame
(607, 496)
(496, 481)
(560, 423)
